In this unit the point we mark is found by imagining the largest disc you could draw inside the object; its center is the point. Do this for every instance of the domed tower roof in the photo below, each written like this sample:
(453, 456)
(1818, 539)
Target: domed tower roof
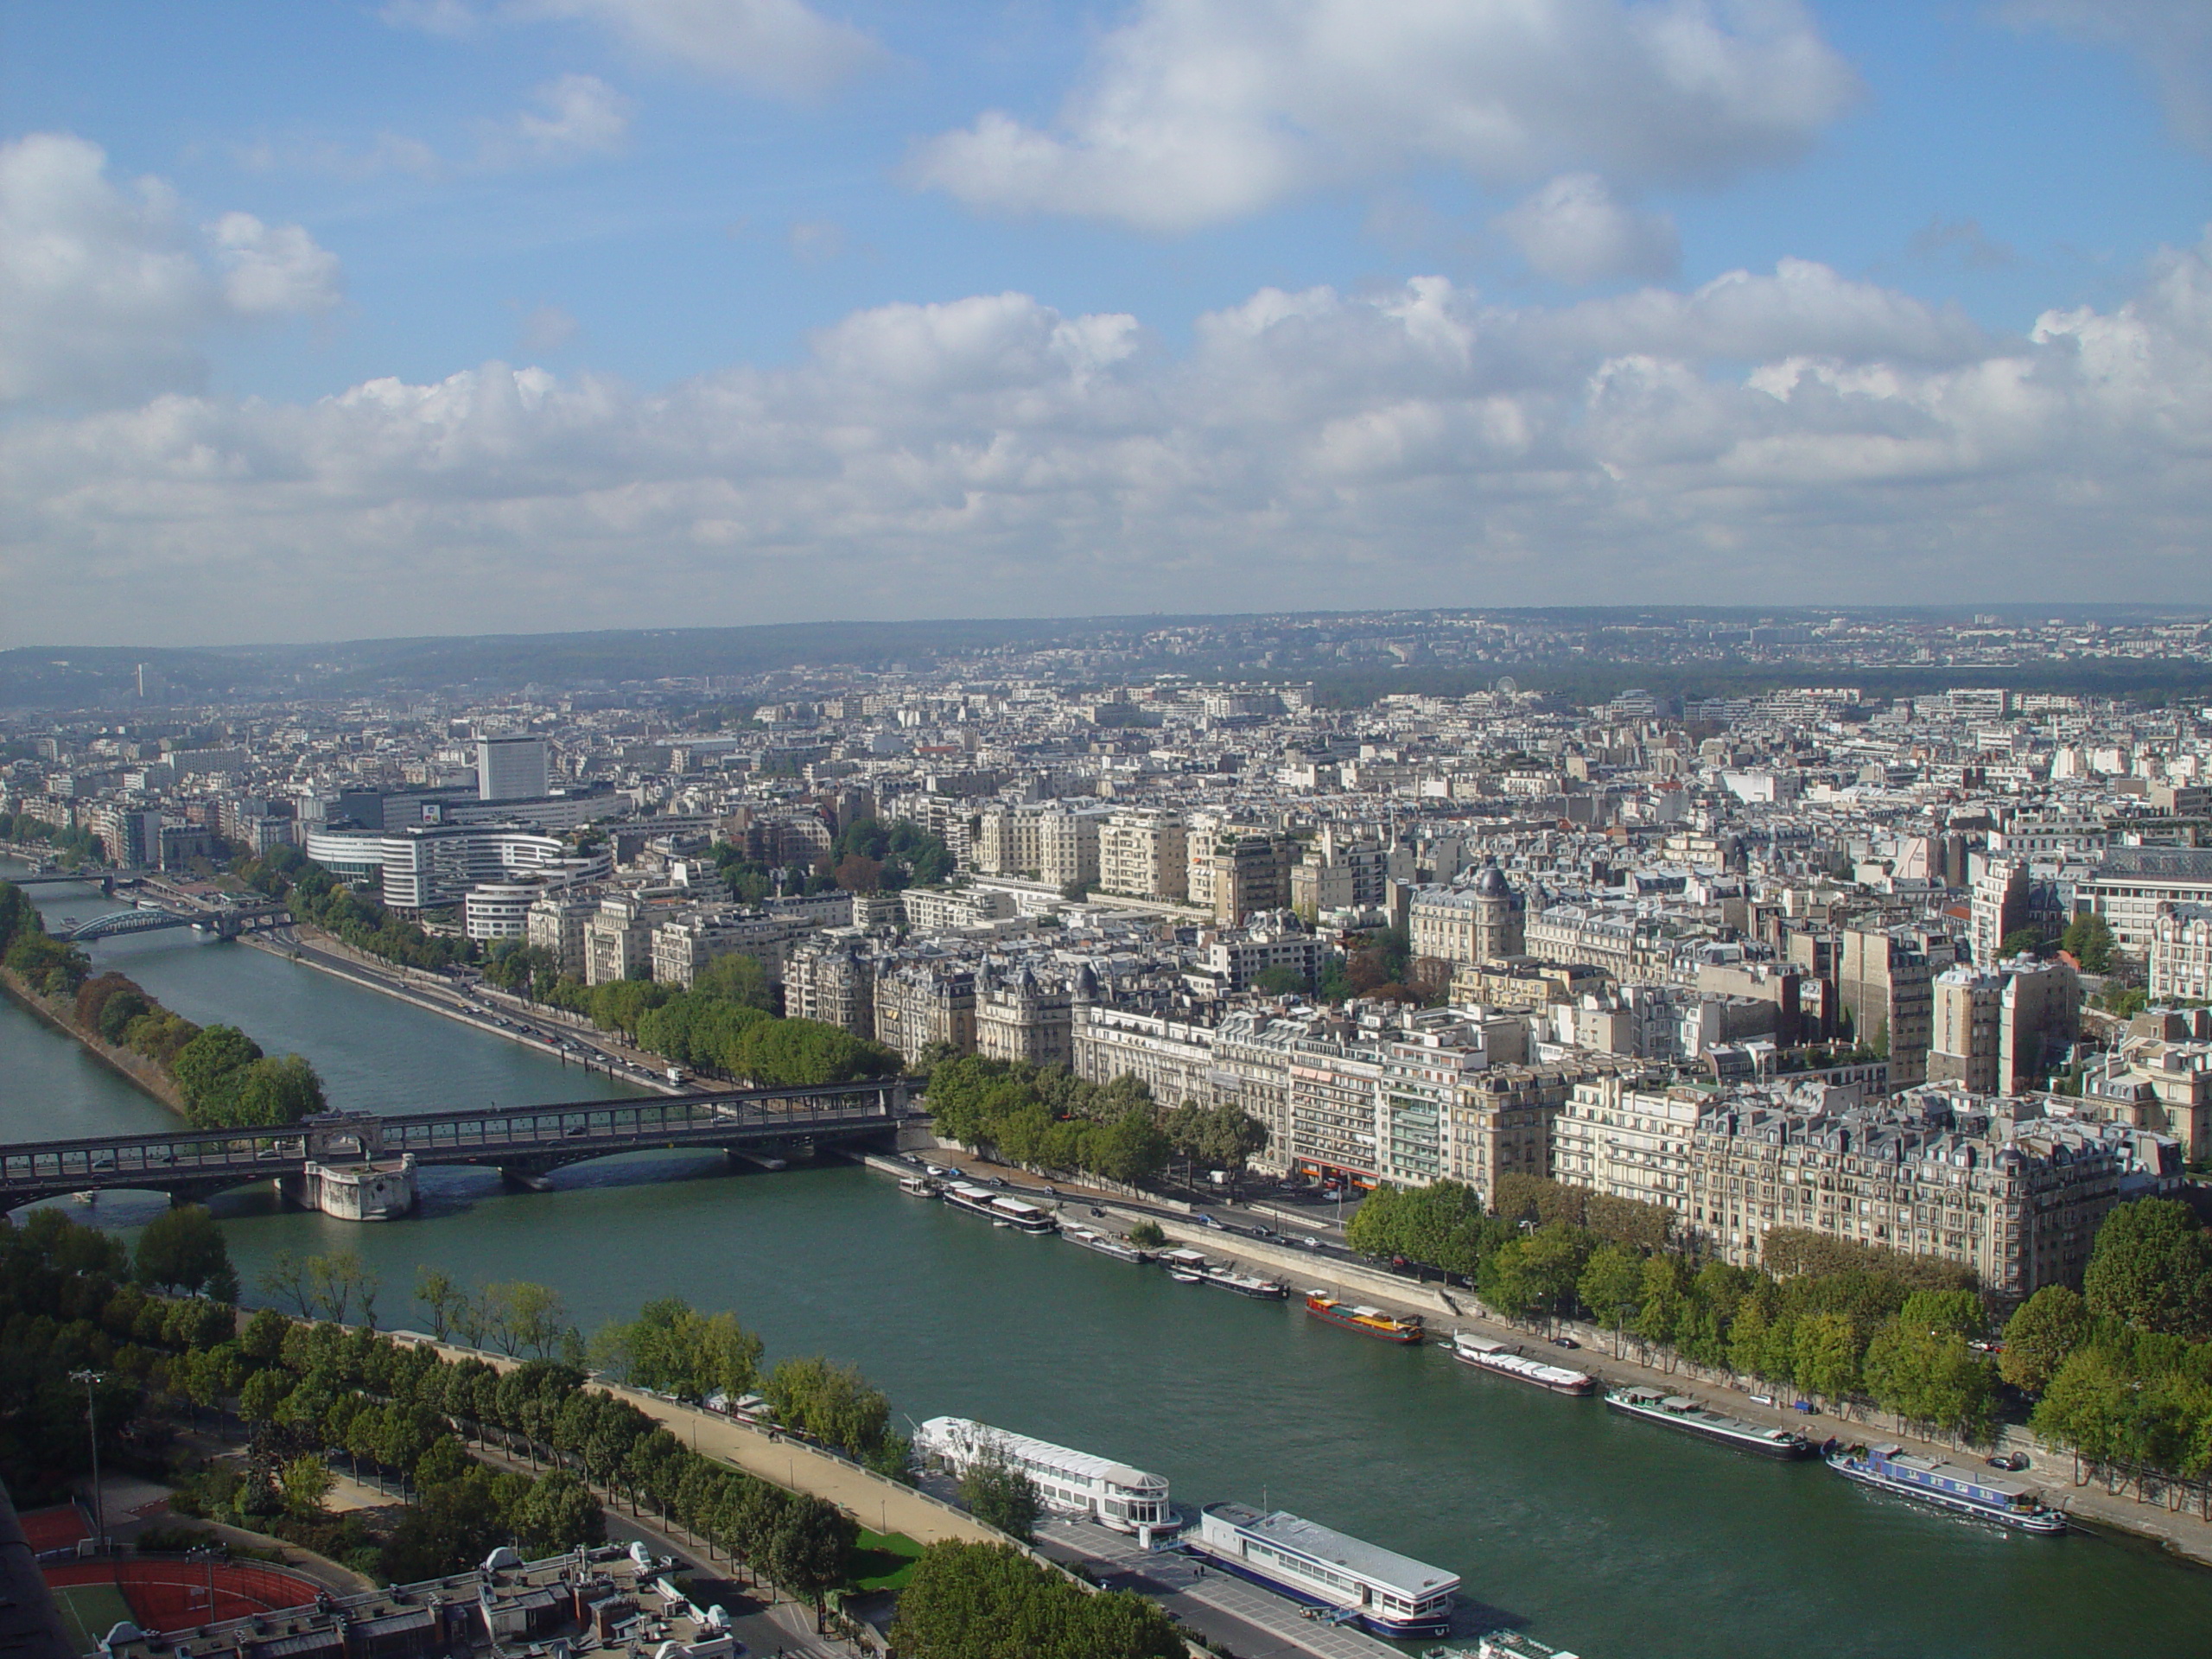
(1492, 882)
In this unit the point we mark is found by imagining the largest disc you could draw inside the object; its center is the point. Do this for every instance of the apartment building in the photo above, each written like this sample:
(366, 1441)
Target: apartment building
(1172, 1058)
(831, 979)
(1630, 1136)
(2128, 886)
(926, 1001)
(1481, 923)
(1886, 982)
(2181, 953)
(1144, 854)
(2015, 1200)
(1025, 1017)
(555, 923)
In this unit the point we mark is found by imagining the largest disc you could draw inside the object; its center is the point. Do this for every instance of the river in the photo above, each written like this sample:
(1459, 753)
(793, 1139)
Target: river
(1591, 1531)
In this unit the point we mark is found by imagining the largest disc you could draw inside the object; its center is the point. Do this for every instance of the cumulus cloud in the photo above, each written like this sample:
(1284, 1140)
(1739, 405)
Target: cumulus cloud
(2172, 37)
(1788, 434)
(1576, 230)
(107, 293)
(1197, 112)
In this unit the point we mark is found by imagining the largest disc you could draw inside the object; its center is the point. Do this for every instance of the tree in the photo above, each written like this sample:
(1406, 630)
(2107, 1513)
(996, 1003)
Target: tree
(183, 1250)
(984, 1599)
(1825, 1354)
(2150, 1268)
(559, 1514)
(1611, 1284)
(307, 1482)
(2042, 1335)
(2089, 940)
(436, 1290)
(810, 1552)
(208, 1070)
(737, 978)
(286, 1278)
(999, 1492)
(1282, 982)
(274, 1092)
(2022, 941)
(1146, 1236)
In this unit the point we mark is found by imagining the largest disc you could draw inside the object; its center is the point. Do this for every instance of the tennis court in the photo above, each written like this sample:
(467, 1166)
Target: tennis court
(91, 1610)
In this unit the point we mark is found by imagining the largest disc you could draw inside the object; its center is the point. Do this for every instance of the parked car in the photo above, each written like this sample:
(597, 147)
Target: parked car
(1205, 1220)
(1564, 1342)
(2012, 1462)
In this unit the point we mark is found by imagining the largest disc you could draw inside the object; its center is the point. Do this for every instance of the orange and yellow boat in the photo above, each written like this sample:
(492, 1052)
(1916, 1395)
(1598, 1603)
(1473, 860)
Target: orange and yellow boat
(1368, 1321)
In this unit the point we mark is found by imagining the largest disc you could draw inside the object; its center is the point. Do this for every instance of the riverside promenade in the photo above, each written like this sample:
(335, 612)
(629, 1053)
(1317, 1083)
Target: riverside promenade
(2091, 1506)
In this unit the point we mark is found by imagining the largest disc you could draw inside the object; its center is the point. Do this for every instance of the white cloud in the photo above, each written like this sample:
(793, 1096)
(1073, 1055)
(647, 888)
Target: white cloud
(273, 271)
(1788, 435)
(2172, 37)
(106, 293)
(1197, 112)
(1576, 230)
(577, 116)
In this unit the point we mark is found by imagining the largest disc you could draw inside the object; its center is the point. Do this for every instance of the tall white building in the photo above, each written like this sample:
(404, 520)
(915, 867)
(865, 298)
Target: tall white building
(511, 768)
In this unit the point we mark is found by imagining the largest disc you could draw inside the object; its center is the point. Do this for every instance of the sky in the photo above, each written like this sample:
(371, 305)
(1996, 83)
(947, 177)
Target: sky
(334, 319)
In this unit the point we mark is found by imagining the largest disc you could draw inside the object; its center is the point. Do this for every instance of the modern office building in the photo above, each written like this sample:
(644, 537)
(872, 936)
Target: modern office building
(511, 768)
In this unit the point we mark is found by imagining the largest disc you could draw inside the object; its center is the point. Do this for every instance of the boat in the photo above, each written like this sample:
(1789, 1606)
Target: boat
(919, 1187)
(1677, 1411)
(1068, 1482)
(1951, 1486)
(1368, 1321)
(1342, 1580)
(1185, 1277)
(1120, 1248)
(1244, 1284)
(996, 1207)
(1485, 1354)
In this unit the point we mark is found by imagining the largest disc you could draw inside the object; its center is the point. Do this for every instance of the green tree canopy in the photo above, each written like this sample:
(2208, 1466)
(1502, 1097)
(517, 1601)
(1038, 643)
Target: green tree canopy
(183, 1250)
(2150, 1268)
(2042, 1335)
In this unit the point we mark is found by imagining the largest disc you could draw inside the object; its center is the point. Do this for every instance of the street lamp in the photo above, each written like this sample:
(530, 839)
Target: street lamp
(91, 1419)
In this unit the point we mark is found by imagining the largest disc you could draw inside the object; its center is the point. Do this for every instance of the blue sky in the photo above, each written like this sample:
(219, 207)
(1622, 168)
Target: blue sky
(559, 313)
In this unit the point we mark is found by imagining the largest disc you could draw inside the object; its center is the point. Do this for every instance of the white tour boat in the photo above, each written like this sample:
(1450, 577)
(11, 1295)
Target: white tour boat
(1485, 1354)
(1067, 1481)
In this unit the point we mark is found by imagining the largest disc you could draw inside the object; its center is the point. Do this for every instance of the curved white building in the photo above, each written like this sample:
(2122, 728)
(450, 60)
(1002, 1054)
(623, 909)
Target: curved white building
(1067, 1481)
(428, 865)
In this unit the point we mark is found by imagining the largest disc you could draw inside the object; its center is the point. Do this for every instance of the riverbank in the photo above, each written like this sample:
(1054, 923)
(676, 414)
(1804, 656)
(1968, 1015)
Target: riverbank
(308, 946)
(2186, 1536)
(135, 1068)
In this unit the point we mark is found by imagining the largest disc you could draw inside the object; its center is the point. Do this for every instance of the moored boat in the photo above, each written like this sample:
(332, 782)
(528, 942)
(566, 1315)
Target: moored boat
(996, 1207)
(1679, 1412)
(919, 1187)
(1105, 1243)
(1244, 1284)
(1347, 1580)
(1951, 1486)
(1368, 1321)
(1485, 1354)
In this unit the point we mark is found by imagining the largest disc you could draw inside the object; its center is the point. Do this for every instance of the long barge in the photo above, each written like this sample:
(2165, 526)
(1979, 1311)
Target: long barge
(1960, 1491)
(1495, 1357)
(1677, 1412)
(998, 1208)
(1105, 1243)
(1368, 1321)
(1347, 1580)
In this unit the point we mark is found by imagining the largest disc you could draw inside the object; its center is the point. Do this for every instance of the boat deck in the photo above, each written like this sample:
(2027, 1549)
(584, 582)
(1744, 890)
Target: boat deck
(1216, 1602)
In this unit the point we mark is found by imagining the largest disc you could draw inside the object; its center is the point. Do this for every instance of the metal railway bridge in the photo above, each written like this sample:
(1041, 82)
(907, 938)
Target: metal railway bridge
(523, 1143)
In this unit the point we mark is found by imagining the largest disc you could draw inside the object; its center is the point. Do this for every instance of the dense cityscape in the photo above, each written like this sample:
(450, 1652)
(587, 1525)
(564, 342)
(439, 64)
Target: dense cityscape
(1729, 1036)
(1105, 830)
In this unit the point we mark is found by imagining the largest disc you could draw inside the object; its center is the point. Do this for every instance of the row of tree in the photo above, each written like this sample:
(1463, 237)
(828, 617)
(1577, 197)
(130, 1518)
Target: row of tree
(1045, 1118)
(314, 895)
(223, 1076)
(1851, 1327)
(2123, 1369)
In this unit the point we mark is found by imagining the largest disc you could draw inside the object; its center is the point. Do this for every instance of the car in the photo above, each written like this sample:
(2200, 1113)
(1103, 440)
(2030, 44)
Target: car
(1095, 1210)
(1311, 1243)
(2012, 1462)
(1205, 1220)
(1564, 1342)
(576, 1128)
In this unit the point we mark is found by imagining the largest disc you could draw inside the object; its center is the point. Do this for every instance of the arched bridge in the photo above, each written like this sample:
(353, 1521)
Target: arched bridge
(522, 1142)
(229, 922)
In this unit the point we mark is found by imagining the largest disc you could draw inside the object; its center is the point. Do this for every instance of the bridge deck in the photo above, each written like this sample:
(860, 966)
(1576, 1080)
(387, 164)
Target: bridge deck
(567, 1132)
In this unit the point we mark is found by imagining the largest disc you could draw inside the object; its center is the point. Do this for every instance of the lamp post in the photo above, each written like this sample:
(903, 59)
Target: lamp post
(91, 1419)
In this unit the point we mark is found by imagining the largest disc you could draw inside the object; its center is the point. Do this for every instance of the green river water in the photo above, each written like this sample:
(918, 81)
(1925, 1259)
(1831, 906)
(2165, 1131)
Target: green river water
(1591, 1531)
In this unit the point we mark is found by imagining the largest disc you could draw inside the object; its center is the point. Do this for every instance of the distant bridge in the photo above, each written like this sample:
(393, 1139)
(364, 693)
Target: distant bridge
(523, 1143)
(104, 879)
(228, 921)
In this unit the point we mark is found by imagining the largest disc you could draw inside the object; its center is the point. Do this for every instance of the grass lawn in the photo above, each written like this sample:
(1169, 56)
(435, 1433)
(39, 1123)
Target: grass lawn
(884, 1561)
(91, 1610)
